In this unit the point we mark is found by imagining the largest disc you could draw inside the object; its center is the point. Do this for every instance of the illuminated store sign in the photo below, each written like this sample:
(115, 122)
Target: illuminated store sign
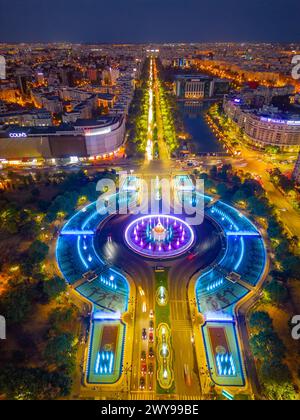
(17, 135)
(98, 132)
(277, 121)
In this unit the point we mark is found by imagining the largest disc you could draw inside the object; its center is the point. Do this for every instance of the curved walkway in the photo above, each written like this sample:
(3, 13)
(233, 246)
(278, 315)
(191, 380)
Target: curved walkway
(220, 288)
(99, 283)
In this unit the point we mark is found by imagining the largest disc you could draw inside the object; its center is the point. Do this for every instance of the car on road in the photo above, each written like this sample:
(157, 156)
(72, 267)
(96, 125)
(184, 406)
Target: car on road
(151, 353)
(151, 369)
(187, 375)
(144, 334)
(143, 356)
(151, 314)
(142, 383)
(151, 326)
(144, 368)
(151, 337)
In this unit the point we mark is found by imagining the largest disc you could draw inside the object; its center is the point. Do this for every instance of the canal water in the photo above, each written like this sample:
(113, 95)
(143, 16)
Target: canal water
(202, 139)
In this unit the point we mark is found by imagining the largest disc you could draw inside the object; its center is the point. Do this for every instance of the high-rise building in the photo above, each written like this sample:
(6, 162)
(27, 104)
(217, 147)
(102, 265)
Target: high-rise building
(110, 76)
(23, 78)
(67, 75)
(296, 173)
(92, 74)
(40, 78)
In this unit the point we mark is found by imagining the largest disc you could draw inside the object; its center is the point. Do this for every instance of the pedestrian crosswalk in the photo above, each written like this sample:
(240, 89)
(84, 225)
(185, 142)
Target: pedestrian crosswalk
(189, 397)
(179, 310)
(143, 396)
(180, 325)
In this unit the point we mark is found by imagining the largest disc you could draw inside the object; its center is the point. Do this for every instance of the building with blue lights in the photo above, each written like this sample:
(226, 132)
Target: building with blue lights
(266, 126)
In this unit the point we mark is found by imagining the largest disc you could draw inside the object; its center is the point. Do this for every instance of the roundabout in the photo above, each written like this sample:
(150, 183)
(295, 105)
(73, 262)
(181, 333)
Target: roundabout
(98, 254)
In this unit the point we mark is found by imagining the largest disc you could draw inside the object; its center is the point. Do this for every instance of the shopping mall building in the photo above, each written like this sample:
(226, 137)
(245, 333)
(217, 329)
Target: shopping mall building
(84, 139)
(264, 127)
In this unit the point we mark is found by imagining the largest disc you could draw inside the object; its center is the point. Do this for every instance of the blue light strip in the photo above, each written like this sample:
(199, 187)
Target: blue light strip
(215, 285)
(97, 364)
(244, 233)
(104, 316)
(105, 363)
(242, 254)
(218, 317)
(227, 395)
(78, 232)
(89, 219)
(80, 253)
(224, 216)
(242, 216)
(84, 210)
(225, 364)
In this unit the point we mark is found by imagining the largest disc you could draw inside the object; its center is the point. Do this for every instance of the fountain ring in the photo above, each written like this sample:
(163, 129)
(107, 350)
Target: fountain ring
(159, 236)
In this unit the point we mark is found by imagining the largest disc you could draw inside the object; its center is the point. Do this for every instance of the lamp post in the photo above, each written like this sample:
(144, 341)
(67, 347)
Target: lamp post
(127, 369)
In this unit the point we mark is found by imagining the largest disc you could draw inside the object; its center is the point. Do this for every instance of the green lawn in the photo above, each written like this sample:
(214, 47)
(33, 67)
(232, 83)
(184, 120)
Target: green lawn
(162, 313)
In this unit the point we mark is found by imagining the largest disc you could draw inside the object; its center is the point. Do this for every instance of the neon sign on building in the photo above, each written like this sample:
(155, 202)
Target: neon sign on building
(17, 135)
(278, 121)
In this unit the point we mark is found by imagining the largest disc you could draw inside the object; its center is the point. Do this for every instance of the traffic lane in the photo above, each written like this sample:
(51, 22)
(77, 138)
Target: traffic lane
(184, 356)
(182, 334)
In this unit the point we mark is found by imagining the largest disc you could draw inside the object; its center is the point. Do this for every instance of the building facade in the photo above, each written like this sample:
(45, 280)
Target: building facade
(199, 87)
(36, 118)
(84, 139)
(266, 127)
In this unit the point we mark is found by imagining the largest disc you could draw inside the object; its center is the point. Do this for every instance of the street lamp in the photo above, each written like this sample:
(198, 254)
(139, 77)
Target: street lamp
(126, 370)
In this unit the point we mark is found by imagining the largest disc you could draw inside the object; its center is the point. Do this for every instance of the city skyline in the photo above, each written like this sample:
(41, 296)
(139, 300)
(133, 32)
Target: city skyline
(233, 22)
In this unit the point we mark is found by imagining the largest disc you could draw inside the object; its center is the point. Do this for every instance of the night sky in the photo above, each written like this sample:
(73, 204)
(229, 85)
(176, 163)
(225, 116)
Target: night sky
(149, 20)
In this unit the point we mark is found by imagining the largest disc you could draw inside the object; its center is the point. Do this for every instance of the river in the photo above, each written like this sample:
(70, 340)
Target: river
(203, 139)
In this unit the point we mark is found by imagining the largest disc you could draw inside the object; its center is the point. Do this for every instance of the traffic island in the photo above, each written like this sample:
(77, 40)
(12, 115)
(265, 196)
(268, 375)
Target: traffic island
(165, 358)
(165, 373)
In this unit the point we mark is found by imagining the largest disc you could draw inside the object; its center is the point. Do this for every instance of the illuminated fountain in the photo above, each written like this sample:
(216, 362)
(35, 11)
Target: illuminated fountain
(159, 232)
(159, 237)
